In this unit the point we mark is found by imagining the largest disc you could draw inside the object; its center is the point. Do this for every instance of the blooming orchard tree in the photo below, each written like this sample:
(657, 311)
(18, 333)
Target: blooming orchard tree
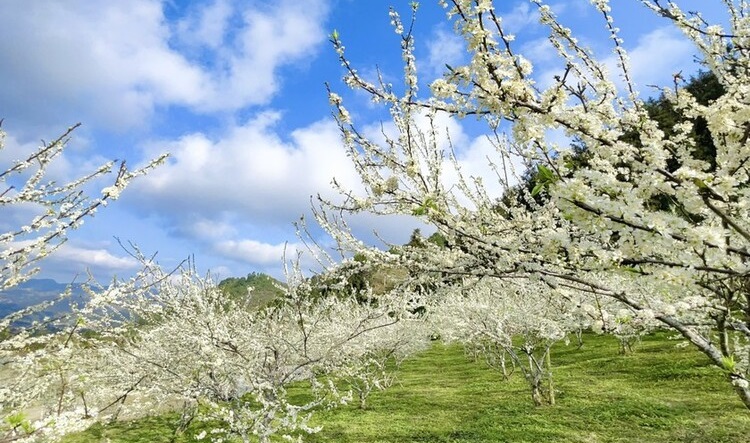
(35, 358)
(161, 339)
(233, 363)
(373, 363)
(165, 340)
(522, 321)
(644, 205)
(512, 324)
(55, 207)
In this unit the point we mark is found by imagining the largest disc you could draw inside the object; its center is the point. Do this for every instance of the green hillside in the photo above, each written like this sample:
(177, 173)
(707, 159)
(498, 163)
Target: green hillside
(264, 288)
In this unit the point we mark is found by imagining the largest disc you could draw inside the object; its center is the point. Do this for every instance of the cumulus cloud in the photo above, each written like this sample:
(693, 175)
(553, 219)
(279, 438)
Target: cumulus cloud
(71, 260)
(110, 61)
(206, 228)
(444, 47)
(98, 258)
(206, 24)
(238, 194)
(254, 252)
(113, 63)
(657, 56)
(269, 38)
(250, 171)
(521, 16)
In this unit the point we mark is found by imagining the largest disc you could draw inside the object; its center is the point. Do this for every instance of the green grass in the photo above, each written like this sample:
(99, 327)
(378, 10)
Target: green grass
(660, 393)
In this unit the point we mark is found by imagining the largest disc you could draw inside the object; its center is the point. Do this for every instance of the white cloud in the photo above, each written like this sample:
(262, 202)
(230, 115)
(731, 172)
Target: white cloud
(269, 38)
(98, 258)
(207, 229)
(109, 61)
(521, 16)
(206, 25)
(254, 252)
(113, 63)
(236, 193)
(251, 172)
(74, 261)
(539, 51)
(261, 256)
(444, 47)
(657, 56)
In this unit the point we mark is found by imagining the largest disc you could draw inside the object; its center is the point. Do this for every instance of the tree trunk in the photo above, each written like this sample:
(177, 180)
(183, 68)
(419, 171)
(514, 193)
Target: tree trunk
(536, 392)
(744, 393)
(550, 384)
(362, 400)
(502, 365)
(710, 351)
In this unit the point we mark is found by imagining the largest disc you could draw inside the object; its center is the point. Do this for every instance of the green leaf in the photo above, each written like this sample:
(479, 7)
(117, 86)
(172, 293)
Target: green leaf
(546, 174)
(539, 187)
(729, 364)
(19, 420)
(422, 209)
(335, 35)
(15, 419)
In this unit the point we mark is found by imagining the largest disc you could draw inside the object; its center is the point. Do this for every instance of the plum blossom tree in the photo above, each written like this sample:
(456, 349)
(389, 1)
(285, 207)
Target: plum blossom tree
(31, 358)
(54, 208)
(165, 338)
(521, 325)
(373, 364)
(172, 339)
(600, 223)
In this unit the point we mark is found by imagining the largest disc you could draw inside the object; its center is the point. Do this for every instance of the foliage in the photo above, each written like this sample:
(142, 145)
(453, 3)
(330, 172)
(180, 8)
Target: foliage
(643, 224)
(522, 325)
(173, 338)
(257, 288)
(375, 367)
(55, 208)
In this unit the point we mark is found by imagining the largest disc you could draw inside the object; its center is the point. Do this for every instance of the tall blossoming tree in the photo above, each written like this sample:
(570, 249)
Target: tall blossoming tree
(53, 209)
(645, 207)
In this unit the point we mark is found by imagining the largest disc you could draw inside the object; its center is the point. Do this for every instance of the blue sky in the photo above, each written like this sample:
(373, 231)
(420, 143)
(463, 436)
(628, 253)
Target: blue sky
(234, 90)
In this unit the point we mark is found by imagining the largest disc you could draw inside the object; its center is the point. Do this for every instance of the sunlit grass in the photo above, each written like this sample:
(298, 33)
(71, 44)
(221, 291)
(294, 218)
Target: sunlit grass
(661, 393)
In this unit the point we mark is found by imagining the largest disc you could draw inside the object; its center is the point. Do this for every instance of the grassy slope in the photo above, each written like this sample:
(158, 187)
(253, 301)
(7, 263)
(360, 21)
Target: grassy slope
(659, 394)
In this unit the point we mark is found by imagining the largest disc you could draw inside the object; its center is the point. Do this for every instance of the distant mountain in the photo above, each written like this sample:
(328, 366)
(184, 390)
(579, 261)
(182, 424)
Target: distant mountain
(35, 291)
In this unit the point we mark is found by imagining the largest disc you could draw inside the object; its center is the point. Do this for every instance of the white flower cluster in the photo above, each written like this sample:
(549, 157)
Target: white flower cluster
(58, 208)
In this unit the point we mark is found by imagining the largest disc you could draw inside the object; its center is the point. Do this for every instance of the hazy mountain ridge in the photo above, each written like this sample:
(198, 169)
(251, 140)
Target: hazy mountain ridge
(35, 291)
